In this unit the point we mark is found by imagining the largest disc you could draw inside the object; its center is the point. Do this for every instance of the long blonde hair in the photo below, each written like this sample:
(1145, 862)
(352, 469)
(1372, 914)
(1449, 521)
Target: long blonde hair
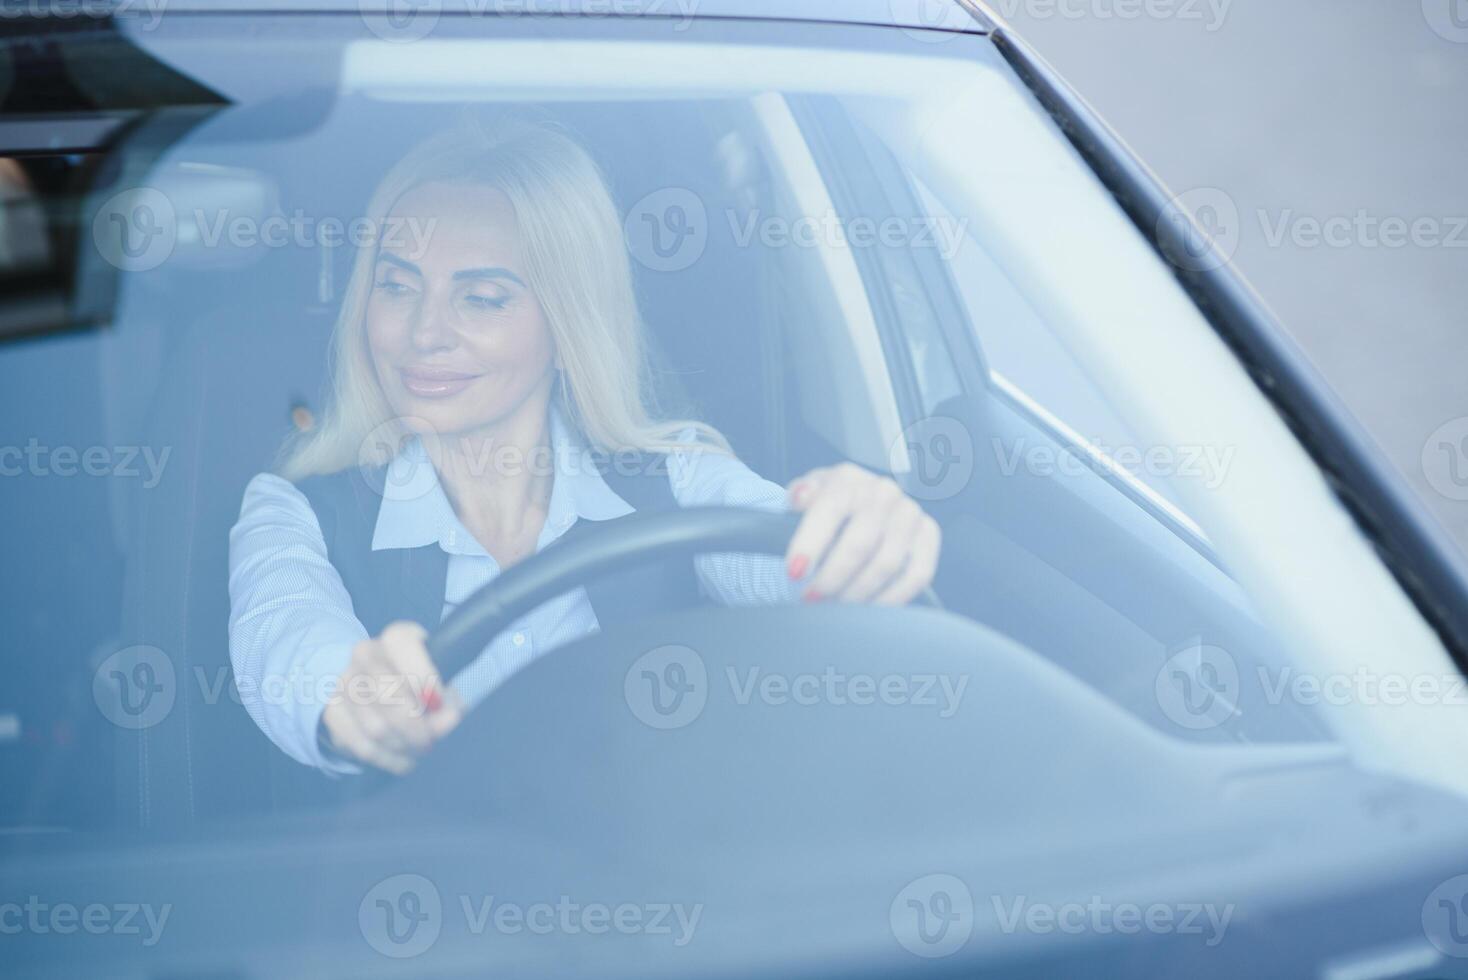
(576, 263)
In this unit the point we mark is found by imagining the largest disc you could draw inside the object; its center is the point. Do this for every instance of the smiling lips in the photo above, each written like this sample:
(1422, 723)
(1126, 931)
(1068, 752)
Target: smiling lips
(435, 382)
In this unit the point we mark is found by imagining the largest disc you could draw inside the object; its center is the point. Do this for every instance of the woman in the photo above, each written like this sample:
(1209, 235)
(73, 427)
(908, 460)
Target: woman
(507, 332)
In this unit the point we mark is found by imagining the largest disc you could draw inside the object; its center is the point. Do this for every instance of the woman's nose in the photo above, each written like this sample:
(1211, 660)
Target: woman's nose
(431, 328)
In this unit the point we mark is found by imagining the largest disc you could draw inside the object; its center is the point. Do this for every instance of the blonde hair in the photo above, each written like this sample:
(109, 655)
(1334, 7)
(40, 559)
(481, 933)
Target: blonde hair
(576, 264)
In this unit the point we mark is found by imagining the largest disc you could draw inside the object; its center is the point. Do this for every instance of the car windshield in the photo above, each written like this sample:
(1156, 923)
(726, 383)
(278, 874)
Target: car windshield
(832, 246)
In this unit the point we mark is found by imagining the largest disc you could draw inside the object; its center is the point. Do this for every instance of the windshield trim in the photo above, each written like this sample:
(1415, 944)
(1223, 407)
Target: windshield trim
(1414, 548)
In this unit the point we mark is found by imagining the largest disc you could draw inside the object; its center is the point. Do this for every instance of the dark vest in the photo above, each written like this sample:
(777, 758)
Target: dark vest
(408, 583)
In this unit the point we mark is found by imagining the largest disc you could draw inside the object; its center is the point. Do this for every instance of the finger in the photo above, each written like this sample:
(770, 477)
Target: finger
(397, 763)
(403, 646)
(352, 740)
(431, 709)
(376, 725)
(446, 718)
(922, 564)
(891, 555)
(408, 727)
(803, 489)
(857, 541)
(825, 512)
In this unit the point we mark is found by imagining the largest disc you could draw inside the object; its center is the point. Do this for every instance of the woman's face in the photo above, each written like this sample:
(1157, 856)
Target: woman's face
(458, 339)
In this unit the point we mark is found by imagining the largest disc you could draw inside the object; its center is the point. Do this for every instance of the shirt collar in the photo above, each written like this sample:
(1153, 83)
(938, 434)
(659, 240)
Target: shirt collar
(415, 510)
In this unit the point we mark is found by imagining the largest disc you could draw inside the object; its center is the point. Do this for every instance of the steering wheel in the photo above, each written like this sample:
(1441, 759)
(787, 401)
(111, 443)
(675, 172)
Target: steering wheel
(644, 536)
(463, 636)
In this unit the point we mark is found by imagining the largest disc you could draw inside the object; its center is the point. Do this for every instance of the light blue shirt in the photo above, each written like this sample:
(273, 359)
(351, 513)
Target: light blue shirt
(292, 627)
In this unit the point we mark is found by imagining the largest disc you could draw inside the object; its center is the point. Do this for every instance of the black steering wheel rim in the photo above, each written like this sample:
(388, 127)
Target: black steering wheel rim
(645, 536)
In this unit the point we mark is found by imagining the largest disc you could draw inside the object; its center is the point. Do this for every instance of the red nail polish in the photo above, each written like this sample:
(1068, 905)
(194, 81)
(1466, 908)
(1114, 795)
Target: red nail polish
(798, 565)
(811, 595)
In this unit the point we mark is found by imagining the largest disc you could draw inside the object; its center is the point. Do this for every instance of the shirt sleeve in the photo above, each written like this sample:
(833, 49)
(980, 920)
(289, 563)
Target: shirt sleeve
(706, 478)
(291, 624)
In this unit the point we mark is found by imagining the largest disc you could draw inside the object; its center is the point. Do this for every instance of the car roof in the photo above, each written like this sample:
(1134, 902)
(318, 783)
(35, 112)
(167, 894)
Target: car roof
(950, 15)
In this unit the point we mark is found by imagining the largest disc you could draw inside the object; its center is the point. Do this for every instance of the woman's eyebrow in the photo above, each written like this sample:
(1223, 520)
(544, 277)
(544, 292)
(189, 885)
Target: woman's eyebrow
(392, 259)
(489, 272)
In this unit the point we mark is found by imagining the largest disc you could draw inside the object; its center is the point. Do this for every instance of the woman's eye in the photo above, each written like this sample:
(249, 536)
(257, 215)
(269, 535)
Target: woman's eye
(392, 288)
(481, 302)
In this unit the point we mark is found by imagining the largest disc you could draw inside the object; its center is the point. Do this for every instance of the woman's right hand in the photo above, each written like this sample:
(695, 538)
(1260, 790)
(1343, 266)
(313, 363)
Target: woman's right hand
(391, 705)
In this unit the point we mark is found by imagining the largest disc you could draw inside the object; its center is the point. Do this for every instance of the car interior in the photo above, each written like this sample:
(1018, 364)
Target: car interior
(801, 356)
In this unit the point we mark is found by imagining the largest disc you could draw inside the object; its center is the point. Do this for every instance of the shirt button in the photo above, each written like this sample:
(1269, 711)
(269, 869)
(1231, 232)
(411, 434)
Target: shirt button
(519, 639)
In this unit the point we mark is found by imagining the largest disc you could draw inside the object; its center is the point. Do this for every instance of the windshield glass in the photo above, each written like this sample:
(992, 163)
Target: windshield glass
(277, 296)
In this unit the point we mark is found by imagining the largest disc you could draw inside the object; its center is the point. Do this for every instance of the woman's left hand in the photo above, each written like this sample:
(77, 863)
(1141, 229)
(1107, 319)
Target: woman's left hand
(862, 538)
